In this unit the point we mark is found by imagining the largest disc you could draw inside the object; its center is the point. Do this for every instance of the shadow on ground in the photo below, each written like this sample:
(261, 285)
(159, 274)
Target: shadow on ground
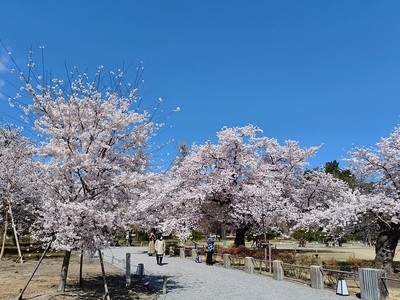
(156, 284)
(146, 287)
(93, 288)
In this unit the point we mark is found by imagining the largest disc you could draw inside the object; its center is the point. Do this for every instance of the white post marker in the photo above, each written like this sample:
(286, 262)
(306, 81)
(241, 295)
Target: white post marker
(341, 288)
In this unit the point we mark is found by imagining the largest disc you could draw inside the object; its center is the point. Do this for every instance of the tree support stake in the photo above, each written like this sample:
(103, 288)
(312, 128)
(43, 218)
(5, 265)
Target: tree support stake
(33, 273)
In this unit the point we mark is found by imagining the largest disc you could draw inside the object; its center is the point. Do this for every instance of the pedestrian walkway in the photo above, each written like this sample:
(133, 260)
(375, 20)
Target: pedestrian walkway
(189, 280)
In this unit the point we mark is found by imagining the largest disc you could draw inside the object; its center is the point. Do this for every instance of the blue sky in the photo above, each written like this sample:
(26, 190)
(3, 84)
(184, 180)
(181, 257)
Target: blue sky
(320, 72)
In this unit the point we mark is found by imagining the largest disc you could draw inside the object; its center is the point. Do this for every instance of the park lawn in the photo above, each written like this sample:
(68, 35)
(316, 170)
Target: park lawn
(338, 253)
(324, 253)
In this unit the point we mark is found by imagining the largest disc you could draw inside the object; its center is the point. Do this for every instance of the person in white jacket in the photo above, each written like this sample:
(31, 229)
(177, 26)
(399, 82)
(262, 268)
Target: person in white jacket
(160, 249)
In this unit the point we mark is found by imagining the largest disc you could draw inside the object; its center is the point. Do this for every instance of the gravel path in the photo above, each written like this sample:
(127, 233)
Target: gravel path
(189, 280)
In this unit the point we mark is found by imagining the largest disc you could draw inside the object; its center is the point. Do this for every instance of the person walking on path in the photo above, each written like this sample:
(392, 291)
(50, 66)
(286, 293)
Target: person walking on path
(160, 249)
(210, 250)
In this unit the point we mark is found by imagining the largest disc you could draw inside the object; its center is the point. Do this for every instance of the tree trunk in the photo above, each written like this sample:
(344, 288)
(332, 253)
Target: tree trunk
(64, 271)
(385, 249)
(241, 235)
(223, 232)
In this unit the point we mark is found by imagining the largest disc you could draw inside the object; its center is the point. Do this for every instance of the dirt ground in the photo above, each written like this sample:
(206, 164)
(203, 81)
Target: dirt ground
(13, 277)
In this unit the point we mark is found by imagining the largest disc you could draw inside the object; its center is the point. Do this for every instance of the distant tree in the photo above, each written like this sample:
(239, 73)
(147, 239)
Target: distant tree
(332, 167)
(207, 185)
(347, 176)
(244, 182)
(305, 236)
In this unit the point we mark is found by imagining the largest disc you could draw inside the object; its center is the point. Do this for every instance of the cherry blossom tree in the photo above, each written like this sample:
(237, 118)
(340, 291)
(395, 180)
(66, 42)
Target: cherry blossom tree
(381, 166)
(322, 204)
(278, 182)
(145, 210)
(241, 181)
(92, 157)
(204, 184)
(374, 207)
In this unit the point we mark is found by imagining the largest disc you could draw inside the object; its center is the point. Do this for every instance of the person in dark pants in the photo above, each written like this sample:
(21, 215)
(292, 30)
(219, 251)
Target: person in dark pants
(159, 246)
(210, 250)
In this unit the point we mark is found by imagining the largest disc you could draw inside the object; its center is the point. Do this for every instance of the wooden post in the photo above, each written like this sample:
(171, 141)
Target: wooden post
(249, 265)
(278, 270)
(372, 285)
(227, 261)
(80, 270)
(317, 277)
(270, 257)
(15, 234)
(164, 286)
(3, 244)
(128, 238)
(33, 273)
(103, 273)
(265, 250)
(128, 270)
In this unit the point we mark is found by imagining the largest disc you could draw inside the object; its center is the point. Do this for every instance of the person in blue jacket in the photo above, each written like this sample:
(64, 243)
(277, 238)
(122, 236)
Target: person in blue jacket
(210, 249)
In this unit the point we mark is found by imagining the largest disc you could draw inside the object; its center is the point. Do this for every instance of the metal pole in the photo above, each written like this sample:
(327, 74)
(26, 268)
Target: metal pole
(128, 270)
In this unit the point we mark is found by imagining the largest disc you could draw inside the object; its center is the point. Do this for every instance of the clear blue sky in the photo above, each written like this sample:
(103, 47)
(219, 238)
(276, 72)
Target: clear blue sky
(320, 72)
